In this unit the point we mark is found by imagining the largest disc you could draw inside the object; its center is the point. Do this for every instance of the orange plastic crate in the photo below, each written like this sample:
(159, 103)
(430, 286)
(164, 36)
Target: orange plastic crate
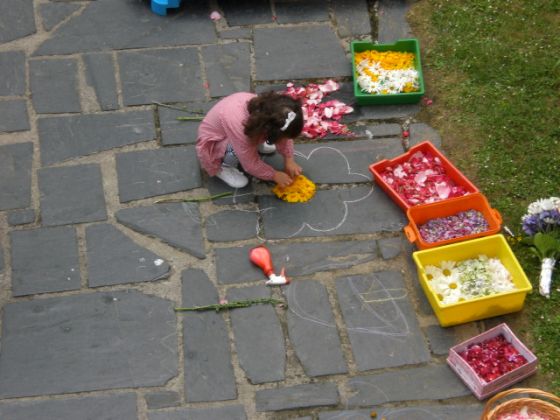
(425, 147)
(418, 215)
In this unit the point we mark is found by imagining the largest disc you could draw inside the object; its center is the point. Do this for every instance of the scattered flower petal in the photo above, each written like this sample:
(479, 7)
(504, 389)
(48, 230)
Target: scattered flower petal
(215, 15)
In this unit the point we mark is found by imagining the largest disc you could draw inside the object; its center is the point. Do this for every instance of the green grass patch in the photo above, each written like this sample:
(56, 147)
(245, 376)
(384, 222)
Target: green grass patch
(495, 72)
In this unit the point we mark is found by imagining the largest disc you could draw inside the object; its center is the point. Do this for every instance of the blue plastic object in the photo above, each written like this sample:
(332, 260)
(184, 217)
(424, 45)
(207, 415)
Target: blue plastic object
(160, 6)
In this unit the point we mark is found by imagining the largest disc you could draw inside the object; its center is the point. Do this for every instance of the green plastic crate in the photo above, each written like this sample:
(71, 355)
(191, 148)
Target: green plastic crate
(402, 45)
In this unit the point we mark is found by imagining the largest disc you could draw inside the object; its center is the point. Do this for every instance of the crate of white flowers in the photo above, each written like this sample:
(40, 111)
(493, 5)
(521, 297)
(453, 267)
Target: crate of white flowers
(472, 280)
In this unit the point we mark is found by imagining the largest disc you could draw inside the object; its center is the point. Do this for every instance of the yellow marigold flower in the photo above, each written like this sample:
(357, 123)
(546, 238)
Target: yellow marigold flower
(300, 191)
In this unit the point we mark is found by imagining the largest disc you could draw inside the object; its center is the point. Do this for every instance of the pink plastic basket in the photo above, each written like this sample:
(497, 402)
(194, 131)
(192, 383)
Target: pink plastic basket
(478, 386)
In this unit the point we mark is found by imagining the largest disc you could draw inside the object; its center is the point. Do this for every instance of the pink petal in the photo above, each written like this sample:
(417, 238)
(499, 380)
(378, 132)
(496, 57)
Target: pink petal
(215, 15)
(443, 190)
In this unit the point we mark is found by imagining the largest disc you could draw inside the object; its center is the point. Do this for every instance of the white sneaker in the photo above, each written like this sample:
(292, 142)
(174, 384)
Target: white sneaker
(233, 177)
(267, 148)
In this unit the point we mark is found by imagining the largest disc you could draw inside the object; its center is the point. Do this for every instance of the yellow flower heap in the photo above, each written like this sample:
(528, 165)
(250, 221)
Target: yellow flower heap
(299, 191)
(386, 72)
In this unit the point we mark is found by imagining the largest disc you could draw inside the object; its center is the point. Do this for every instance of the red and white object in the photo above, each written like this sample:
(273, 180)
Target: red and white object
(260, 256)
(480, 388)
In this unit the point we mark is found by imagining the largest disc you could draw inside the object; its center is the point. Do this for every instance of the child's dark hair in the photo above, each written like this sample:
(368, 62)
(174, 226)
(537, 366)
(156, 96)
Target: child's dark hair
(272, 115)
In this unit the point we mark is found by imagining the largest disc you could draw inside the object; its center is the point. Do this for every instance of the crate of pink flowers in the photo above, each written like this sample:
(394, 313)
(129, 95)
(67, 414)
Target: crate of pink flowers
(492, 361)
(420, 176)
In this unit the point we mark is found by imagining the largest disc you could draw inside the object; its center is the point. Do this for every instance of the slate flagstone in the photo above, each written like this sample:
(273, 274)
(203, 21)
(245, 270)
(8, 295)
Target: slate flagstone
(121, 28)
(100, 74)
(299, 53)
(44, 260)
(420, 412)
(352, 17)
(16, 19)
(176, 224)
(54, 85)
(298, 12)
(148, 173)
(162, 399)
(228, 68)
(232, 225)
(208, 370)
(312, 329)
(392, 21)
(362, 209)
(174, 131)
(106, 407)
(259, 339)
(12, 69)
(71, 194)
(299, 259)
(13, 115)
(163, 75)
(245, 12)
(341, 162)
(15, 175)
(239, 195)
(54, 13)
(114, 258)
(94, 341)
(434, 382)
(230, 412)
(67, 137)
(298, 396)
(380, 321)
(420, 132)
(21, 217)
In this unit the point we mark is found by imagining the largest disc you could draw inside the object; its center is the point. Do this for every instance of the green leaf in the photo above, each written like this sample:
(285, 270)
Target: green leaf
(547, 245)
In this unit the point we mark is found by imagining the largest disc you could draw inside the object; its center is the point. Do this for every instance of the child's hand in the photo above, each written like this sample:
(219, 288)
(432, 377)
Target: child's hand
(292, 168)
(282, 179)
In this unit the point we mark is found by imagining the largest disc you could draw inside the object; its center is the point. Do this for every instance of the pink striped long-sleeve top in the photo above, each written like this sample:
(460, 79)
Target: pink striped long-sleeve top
(223, 124)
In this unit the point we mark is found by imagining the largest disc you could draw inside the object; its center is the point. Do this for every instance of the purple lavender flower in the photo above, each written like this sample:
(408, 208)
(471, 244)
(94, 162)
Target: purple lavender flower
(545, 221)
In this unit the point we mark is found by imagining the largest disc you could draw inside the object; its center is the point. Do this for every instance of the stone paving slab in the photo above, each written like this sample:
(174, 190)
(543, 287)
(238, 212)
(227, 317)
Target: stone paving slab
(71, 194)
(245, 12)
(228, 68)
(441, 339)
(149, 173)
(12, 69)
(54, 13)
(2, 264)
(16, 19)
(176, 224)
(298, 396)
(236, 33)
(343, 211)
(352, 17)
(162, 75)
(299, 259)
(380, 321)
(232, 225)
(121, 407)
(44, 260)
(259, 340)
(100, 74)
(232, 412)
(420, 132)
(392, 20)
(378, 130)
(174, 131)
(162, 399)
(208, 370)
(68, 137)
(21, 217)
(298, 12)
(121, 29)
(312, 329)
(15, 175)
(13, 115)
(54, 85)
(299, 53)
(433, 382)
(87, 342)
(341, 162)
(240, 195)
(390, 247)
(114, 258)
(420, 412)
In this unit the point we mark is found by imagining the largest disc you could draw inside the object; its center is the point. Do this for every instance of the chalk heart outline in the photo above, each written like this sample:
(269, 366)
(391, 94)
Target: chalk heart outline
(345, 203)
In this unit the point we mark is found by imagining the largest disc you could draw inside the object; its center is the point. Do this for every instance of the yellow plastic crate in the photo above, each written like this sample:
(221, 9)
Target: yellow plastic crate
(494, 246)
